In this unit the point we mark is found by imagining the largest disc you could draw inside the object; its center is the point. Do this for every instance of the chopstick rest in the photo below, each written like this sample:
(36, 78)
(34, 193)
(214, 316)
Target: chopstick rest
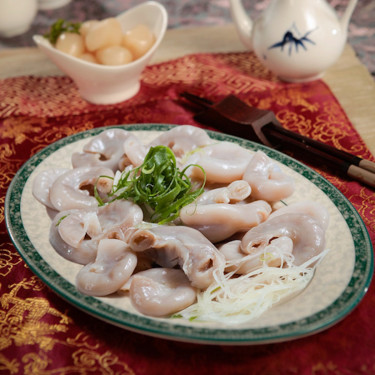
(233, 116)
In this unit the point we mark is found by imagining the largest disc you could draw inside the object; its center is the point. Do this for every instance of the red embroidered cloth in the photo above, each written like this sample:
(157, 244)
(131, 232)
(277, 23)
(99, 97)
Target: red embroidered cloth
(42, 334)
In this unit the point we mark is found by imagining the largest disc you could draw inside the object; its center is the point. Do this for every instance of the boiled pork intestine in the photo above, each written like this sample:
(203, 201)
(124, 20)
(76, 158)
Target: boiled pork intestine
(230, 229)
(183, 140)
(75, 234)
(171, 246)
(219, 221)
(105, 150)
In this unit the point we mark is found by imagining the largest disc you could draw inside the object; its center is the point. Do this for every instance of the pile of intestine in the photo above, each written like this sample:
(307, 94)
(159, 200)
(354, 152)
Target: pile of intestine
(228, 251)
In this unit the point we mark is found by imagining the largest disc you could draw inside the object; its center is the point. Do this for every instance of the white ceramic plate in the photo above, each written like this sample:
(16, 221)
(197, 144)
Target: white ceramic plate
(339, 283)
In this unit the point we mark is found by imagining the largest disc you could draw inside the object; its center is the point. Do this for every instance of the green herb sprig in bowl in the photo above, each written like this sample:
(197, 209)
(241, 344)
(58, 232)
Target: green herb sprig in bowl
(59, 27)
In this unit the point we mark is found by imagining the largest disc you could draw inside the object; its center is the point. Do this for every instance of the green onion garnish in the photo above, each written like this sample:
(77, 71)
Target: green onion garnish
(59, 27)
(61, 219)
(158, 185)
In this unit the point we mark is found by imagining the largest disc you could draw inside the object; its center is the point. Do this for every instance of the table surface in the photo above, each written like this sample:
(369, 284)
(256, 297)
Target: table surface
(349, 79)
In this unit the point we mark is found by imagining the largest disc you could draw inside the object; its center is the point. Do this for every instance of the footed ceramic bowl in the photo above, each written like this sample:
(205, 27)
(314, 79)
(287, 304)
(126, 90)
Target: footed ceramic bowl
(103, 84)
(52, 4)
(13, 21)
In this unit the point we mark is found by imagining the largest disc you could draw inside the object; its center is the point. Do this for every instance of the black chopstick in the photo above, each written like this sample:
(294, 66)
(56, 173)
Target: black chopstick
(202, 102)
(340, 154)
(353, 166)
(351, 170)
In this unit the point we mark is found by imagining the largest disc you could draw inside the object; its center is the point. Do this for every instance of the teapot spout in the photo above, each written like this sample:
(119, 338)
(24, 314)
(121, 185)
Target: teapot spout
(347, 14)
(242, 21)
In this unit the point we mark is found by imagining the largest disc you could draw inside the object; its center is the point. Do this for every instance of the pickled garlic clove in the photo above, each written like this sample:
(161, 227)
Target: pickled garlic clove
(89, 57)
(138, 40)
(70, 43)
(114, 55)
(105, 33)
(86, 26)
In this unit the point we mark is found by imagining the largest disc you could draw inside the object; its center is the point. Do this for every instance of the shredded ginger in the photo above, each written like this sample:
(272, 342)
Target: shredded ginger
(233, 299)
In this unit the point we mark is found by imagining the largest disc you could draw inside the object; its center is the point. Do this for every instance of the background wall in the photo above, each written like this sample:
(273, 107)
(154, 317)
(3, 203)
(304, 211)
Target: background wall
(188, 13)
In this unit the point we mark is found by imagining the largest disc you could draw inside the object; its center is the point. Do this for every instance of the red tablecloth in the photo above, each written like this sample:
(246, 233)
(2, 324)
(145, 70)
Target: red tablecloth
(42, 334)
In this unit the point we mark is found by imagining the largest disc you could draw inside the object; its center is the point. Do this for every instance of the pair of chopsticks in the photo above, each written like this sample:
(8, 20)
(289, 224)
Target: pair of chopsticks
(233, 116)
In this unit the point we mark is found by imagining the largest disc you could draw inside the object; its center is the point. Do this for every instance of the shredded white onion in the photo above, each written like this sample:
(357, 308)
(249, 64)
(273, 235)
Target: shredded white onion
(233, 299)
(117, 177)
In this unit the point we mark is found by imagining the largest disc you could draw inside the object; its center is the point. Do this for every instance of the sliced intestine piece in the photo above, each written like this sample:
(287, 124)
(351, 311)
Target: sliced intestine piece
(219, 221)
(74, 188)
(183, 139)
(135, 151)
(116, 217)
(307, 235)
(104, 150)
(311, 208)
(266, 179)
(161, 292)
(113, 266)
(76, 225)
(234, 192)
(68, 235)
(275, 254)
(43, 183)
(223, 162)
(171, 246)
(75, 234)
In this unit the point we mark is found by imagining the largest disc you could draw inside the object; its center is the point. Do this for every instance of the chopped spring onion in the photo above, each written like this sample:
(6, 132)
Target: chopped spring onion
(61, 219)
(235, 300)
(157, 185)
(59, 27)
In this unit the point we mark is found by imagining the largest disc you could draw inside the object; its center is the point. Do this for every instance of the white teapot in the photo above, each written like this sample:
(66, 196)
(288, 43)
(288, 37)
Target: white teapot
(296, 39)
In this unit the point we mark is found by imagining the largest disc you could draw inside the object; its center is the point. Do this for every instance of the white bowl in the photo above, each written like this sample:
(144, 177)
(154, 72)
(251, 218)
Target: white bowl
(101, 84)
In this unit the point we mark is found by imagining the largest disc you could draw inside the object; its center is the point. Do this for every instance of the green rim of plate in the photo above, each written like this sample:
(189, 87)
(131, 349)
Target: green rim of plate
(337, 310)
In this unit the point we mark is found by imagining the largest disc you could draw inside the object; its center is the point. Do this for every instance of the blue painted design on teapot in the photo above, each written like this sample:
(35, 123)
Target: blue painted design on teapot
(296, 39)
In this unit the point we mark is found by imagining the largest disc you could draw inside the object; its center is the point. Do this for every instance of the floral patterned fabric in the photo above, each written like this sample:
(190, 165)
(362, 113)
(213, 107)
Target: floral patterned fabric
(42, 334)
